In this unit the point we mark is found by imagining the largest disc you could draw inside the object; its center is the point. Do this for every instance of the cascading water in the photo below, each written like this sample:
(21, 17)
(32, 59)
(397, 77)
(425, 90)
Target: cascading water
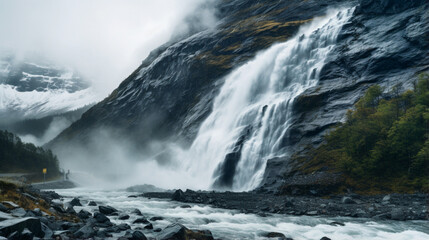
(251, 114)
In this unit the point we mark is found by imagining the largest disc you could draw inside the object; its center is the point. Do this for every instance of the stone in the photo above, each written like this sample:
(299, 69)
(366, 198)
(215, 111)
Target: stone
(123, 227)
(92, 203)
(3, 208)
(83, 214)
(157, 230)
(101, 218)
(9, 226)
(19, 212)
(276, 235)
(156, 218)
(123, 216)
(312, 213)
(348, 200)
(186, 206)
(178, 195)
(85, 232)
(26, 234)
(138, 235)
(5, 216)
(149, 226)
(397, 214)
(75, 202)
(179, 232)
(141, 220)
(107, 210)
(337, 224)
(325, 238)
(137, 212)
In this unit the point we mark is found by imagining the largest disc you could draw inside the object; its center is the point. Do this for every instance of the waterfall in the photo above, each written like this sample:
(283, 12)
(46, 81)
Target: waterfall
(252, 112)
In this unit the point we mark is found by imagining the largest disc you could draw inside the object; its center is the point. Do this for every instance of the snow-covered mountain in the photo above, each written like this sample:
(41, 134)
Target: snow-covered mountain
(31, 89)
(39, 99)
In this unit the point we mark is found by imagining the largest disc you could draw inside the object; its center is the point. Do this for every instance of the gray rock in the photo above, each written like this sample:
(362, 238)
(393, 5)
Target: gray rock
(325, 238)
(19, 212)
(83, 214)
(123, 227)
(9, 226)
(312, 213)
(137, 212)
(85, 232)
(101, 218)
(149, 226)
(179, 232)
(178, 195)
(5, 216)
(386, 198)
(107, 210)
(138, 235)
(397, 214)
(75, 202)
(156, 218)
(337, 224)
(3, 208)
(348, 200)
(123, 216)
(92, 203)
(26, 235)
(141, 220)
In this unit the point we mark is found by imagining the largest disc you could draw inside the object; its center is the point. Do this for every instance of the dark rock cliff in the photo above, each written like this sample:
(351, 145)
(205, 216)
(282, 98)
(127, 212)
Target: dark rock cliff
(167, 97)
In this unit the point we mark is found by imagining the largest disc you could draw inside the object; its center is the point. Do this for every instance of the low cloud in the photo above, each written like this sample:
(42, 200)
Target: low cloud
(105, 40)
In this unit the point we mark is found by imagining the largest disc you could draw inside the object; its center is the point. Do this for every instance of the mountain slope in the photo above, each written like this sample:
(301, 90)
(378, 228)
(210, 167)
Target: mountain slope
(173, 91)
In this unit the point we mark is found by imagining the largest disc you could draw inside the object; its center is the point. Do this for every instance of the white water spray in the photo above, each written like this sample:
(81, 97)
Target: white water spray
(257, 99)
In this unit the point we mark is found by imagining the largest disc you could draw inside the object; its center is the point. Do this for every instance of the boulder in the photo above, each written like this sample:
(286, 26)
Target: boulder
(92, 203)
(123, 216)
(83, 214)
(397, 214)
(9, 226)
(186, 206)
(123, 227)
(85, 232)
(138, 235)
(348, 200)
(107, 210)
(178, 195)
(325, 238)
(101, 218)
(27, 235)
(337, 224)
(75, 202)
(149, 226)
(156, 218)
(137, 212)
(141, 220)
(276, 235)
(19, 212)
(3, 208)
(177, 231)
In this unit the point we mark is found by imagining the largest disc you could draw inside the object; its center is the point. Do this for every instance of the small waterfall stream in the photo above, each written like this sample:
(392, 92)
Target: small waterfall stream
(252, 111)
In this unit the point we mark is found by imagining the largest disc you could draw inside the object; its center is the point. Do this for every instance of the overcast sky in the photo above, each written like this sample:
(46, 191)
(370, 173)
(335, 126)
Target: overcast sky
(103, 39)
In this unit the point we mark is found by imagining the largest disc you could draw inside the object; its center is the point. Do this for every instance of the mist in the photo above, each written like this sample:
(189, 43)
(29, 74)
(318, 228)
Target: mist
(102, 40)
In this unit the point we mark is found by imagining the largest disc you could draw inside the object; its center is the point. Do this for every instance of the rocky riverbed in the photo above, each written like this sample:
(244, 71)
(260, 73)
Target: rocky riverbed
(393, 206)
(107, 214)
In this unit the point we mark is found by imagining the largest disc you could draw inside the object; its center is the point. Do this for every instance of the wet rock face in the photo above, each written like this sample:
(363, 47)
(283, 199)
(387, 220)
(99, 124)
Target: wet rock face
(171, 93)
(385, 43)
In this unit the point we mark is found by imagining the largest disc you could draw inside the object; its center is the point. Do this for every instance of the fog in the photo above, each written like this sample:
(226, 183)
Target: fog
(104, 40)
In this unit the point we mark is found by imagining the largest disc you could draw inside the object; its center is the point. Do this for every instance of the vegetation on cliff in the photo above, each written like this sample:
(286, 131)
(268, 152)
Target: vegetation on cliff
(384, 143)
(16, 156)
